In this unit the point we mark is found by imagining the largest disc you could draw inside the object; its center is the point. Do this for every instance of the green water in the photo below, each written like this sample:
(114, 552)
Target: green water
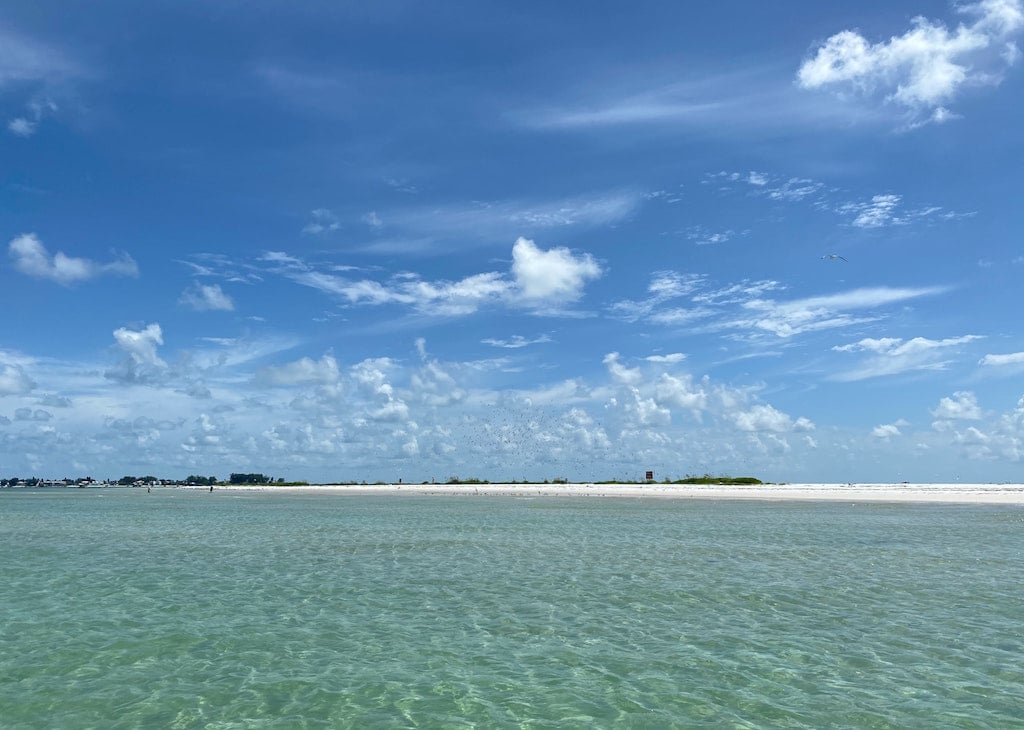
(188, 609)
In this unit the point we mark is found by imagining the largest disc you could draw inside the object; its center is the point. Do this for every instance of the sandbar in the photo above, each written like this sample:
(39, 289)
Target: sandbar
(852, 492)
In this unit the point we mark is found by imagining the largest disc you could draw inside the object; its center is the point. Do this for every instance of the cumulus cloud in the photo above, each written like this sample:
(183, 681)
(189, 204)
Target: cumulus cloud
(763, 417)
(141, 363)
(553, 276)
(887, 431)
(28, 414)
(926, 67)
(682, 392)
(31, 257)
(621, 373)
(207, 297)
(14, 380)
(962, 406)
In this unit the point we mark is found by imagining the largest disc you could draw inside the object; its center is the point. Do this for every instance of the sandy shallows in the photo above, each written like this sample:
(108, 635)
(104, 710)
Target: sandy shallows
(955, 493)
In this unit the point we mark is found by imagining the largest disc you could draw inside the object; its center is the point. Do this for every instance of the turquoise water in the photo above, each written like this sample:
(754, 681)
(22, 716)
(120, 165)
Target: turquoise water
(186, 609)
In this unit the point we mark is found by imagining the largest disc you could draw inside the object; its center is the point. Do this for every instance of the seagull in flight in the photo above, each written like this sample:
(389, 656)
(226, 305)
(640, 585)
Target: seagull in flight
(833, 257)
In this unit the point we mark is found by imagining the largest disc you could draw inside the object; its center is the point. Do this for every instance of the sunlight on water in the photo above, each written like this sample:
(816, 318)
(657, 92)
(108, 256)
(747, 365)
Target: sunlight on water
(185, 609)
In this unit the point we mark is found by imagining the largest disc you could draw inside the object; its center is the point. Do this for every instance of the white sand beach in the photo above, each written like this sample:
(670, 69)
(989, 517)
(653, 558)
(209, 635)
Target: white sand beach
(881, 492)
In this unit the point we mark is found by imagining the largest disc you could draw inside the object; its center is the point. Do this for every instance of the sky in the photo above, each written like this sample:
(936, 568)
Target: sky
(345, 241)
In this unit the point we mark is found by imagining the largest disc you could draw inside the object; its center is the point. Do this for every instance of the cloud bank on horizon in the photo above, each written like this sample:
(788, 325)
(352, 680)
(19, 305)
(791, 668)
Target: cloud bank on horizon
(513, 242)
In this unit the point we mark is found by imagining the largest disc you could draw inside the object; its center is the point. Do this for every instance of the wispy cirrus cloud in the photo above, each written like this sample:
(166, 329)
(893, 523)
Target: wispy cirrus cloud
(892, 355)
(422, 228)
(26, 59)
(40, 71)
(746, 308)
(925, 68)
(30, 257)
(206, 298)
(25, 126)
(1007, 360)
(712, 102)
(516, 342)
(811, 314)
(878, 211)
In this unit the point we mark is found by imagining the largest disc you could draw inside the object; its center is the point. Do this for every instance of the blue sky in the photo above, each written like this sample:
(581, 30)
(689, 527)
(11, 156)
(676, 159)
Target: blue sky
(391, 240)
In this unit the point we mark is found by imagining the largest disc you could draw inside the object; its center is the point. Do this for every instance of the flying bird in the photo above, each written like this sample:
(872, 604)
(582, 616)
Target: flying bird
(833, 257)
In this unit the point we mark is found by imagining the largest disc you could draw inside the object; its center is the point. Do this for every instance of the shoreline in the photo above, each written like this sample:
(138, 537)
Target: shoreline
(1012, 494)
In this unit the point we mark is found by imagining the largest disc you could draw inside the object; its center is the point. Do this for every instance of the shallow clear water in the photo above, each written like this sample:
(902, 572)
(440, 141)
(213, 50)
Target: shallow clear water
(187, 609)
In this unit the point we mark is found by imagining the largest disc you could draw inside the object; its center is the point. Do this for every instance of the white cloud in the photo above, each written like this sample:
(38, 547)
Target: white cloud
(887, 431)
(324, 221)
(773, 187)
(541, 280)
(300, 372)
(141, 363)
(681, 392)
(876, 213)
(204, 297)
(963, 405)
(703, 237)
(14, 380)
(422, 228)
(670, 358)
(28, 414)
(891, 355)
(21, 127)
(1013, 358)
(885, 210)
(553, 276)
(141, 344)
(660, 96)
(665, 286)
(925, 68)
(31, 257)
(621, 373)
(516, 341)
(26, 126)
(744, 306)
(372, 219)
(785, 319)
(763, 417)
(23, 59)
